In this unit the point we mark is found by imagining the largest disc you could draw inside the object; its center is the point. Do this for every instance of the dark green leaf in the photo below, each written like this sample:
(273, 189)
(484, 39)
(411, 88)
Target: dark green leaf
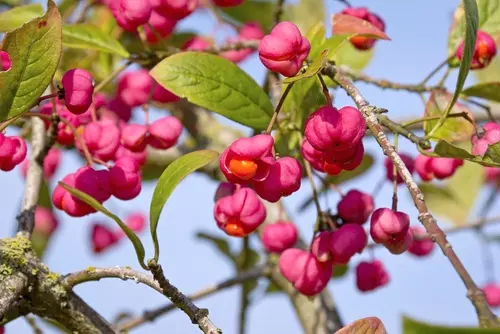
(139, 248)
(221, 244)
(170, 178)
(447, 150)
(34, 50)
(471, 26)
(252, 10)
(217, 84)
(317, 65)
(411, 326)
(344, 176)
(14, 18)
(454, 129)
(489, 21)
(305, 13)
(486, 90)
(272, 288)
(316, 36)
(86, 36)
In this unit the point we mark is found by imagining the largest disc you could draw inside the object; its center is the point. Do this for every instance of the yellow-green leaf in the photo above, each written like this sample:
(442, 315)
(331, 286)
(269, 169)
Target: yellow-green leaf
(454, 129)
(34, 50)
(316, 66)
(168, 181)
(87, 36)
(412, 326)
(447, 150)
(485, 90)
(217, 84)
(14, 18)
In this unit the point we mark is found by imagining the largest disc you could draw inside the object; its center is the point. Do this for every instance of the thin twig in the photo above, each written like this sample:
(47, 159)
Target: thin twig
(485, 315)
(198, 316)
(151, 315)
(399, 129)
(435, 70)
(32, 323)
(278, 108)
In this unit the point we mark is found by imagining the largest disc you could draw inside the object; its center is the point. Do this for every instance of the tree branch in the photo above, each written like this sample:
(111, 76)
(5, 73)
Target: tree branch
(198, 316)
(476, 295)
(151, 315)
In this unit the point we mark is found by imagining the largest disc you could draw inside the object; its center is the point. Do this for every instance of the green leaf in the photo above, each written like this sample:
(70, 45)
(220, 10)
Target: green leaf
(490, 73)
(169, 179)
(489, 21)
(252, 10)
(355, 59)
(454, 129)
(297, 14)
(412, 326)
(316, 36)
(221, 244)
(14, 18)
(344, 176)
(272, 288)
(493, 152)
(317, 65)
(486, 90)
(447, 150)
(456, 198)
(86, 36)
(340, 270)
(217, 84)
(34, 50)
(334, 43)
(139, 248)
(471, 26)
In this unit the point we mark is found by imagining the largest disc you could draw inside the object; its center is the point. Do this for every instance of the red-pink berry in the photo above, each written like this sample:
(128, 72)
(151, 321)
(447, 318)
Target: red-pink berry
(422, 245)
(119, 109)
(64, 201)
(175, 9)
(139, 157)
(163, 26)
(13, 151)
(492, 294)
(364, 42)
(163, 95)
(248, 160)
(102, 237)
(130, 14)
(196, 44)
(345, 242)
(136, 221)
(490, 136)
(227, 3)
(125, 178)
(284, 49)
(224, 189)
(102, 139)
(344, 160)
(389, 167)
(308, 275)
(45, 221)
(423, 167)
(484, 50)
(355, 207)
(133, 137)
(399, 246)
(134, 87)
(239, 214)
(96, 183)
(5, 62)
(312, 155)
(283, 180)
(78, 87)
(371, 275)
(164, 132)
(443, 168)
(279, 236)
(320, 246)
(388, 226)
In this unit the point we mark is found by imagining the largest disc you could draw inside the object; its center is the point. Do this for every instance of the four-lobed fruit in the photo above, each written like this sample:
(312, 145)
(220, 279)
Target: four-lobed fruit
(13, 151)
(284, 50)
(355, 207)
(484, 51)
(363, 42)
(391, 229)
(371, 275)
(279, 236)
(78, 87)
(440, 168)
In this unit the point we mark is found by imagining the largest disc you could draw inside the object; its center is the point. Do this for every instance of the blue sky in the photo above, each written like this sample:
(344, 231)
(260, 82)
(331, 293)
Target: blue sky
(425, 289)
